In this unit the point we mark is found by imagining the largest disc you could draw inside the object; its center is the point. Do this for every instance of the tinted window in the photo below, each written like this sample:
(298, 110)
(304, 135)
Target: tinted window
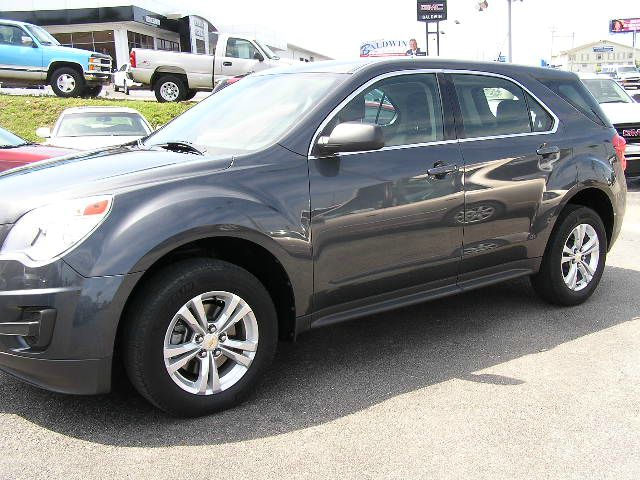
(407, 107)
(541, 120)
(238, 48)
(491, 106)
(576, 94)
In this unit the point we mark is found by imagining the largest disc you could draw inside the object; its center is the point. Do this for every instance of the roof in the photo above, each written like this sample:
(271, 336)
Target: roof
(408, 63)
(13, 22)
(587, 45)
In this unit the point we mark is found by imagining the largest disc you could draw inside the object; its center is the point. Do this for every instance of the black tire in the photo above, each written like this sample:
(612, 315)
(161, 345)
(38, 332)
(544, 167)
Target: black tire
(170, 83)
(116, 88)
(69, 73)
(92, 92)
(126, 88)
(549, 282)
(190, 94)
(150, 313)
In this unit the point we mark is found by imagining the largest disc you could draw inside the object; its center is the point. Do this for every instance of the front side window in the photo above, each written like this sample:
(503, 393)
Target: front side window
(11, 35)
(407, 108)
(239, 48)
(491, 106)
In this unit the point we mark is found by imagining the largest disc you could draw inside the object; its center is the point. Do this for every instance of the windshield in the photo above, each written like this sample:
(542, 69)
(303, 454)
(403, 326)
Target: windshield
(8, 139)
(42, 35)
(607, 91)
(267, 50)
(628, 70)
(248, 115)
(100, 124)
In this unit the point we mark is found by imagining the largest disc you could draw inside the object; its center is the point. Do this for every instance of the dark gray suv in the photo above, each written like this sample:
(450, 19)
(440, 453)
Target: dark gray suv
(295, 199)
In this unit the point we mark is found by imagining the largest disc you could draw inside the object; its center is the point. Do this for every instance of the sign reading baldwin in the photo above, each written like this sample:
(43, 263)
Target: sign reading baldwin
(384, 48)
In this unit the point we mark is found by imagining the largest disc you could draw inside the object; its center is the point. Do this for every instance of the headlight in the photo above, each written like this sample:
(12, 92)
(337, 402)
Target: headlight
(45, 233)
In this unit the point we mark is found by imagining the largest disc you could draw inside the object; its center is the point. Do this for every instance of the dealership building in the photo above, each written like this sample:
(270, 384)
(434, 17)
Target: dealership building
(593, 56)
(112, 28)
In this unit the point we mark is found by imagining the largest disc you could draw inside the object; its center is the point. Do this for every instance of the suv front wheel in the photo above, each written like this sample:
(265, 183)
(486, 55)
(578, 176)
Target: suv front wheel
(67, 82)
(575, 257)
(198, 336)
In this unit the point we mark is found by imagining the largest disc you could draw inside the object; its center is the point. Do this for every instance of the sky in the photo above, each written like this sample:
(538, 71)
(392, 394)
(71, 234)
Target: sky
(337, 27)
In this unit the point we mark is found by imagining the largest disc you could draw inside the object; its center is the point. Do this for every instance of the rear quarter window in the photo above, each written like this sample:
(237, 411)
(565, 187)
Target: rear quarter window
(577, 95)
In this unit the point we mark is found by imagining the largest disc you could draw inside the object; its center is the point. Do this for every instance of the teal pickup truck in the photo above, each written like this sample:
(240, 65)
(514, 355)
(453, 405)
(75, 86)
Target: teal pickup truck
(29, 55)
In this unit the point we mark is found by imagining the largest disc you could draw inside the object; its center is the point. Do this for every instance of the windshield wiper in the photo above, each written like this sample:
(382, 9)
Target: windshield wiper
(16, 146)
(180, 147)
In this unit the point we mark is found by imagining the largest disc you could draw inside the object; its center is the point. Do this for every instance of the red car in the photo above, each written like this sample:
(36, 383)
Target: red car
(16, 151)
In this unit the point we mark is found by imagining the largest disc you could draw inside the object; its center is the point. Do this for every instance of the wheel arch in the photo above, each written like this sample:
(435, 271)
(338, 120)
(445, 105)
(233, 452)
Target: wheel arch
(168, 70)
(598, 200)
(56, 64)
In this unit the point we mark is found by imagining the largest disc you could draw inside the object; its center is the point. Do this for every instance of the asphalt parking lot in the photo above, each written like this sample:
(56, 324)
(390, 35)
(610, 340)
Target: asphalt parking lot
(490, 384)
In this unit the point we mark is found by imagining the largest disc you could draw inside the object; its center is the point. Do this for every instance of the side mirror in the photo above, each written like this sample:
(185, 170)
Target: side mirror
(43, 132)
(636, 97)
(258, 56)
(352, 137)
(27, 41)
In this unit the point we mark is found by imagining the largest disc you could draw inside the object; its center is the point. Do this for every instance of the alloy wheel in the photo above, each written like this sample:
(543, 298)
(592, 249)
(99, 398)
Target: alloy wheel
(210, 343)
(580, 257)
(66, 83)
(169, 91)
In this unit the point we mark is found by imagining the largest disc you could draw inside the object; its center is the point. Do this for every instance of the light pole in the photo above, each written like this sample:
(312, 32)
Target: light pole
(483, 5)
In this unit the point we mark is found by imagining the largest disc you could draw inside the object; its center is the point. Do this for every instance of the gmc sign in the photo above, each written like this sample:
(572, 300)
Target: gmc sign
(432, 10)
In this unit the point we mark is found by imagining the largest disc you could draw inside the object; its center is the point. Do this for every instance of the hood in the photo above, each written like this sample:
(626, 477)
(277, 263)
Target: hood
(91, 143)
(100, 172)
(32, 153)
(622, 112)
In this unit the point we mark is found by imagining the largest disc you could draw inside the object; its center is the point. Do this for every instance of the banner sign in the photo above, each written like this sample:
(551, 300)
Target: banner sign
(624, 25)
(603, 49)
(384, 48)
(432, 10)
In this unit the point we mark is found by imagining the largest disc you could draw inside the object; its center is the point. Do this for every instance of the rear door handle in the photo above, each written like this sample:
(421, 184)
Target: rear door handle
(547, 151)
(440, 170)
(227, 64)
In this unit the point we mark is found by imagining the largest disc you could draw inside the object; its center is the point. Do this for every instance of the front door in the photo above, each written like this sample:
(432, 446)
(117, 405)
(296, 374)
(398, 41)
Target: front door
(382, 224)
(239, 58)
(20, 58)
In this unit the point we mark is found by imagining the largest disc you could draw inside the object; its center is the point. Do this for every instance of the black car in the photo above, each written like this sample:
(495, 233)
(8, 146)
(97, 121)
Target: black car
(295, 199)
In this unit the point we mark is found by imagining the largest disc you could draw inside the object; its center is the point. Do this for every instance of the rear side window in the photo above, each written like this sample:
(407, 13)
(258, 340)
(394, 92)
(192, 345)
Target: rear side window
(577, 95)
(541, 120)
(491, 106)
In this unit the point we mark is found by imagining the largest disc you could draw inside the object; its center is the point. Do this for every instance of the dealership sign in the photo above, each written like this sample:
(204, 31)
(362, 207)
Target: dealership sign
(432, 10)
(624, 25)
(603, 49)
(384, 48)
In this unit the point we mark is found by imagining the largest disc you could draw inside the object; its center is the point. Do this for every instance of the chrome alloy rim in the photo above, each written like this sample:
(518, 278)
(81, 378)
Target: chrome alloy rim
(169, 91)
(580, 257)
(210, 343)
(66, 83)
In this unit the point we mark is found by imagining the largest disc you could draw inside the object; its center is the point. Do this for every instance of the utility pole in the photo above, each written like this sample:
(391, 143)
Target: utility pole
(510, 57)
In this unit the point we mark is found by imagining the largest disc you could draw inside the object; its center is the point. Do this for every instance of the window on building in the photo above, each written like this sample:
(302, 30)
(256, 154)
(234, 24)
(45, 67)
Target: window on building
(138, 40)
(100, 41)
(598, 57)
(201, 46)
(168, 45)
(572, 58)
(630, 55)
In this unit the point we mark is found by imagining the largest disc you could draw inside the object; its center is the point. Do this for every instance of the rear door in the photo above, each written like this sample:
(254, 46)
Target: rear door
(383, 226)
(509, 149)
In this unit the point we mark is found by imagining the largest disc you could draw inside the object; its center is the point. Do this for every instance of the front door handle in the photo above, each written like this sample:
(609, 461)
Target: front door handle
(440, 170)
(227, 64)
(548, 151)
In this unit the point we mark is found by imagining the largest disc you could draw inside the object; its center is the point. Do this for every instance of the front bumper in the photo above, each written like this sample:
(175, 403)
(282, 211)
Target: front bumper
(97, 78)
(57, 328)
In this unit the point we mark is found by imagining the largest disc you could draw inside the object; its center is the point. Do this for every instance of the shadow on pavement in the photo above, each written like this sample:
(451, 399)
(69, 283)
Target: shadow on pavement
(337, 371)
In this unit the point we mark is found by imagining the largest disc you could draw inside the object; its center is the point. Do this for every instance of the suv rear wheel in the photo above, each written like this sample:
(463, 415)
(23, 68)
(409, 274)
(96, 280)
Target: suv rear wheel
(575, 257)
(67, 82)
(198, 336)
(170, 88)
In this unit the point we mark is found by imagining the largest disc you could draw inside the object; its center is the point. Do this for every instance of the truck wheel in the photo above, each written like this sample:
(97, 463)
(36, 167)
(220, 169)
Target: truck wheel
(170, 88)
(198, 336)
(190, 94)
(92, 92)
(67, 82)
(126, 88)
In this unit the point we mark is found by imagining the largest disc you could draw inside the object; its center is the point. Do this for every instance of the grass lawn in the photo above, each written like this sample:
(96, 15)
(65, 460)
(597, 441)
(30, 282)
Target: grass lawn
(23, 114)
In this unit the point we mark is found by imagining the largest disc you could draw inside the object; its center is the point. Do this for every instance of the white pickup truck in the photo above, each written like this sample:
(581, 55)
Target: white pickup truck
(177, 76)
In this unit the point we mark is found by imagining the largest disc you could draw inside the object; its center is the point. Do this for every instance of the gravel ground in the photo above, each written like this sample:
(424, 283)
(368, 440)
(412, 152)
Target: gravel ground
(490, 384)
